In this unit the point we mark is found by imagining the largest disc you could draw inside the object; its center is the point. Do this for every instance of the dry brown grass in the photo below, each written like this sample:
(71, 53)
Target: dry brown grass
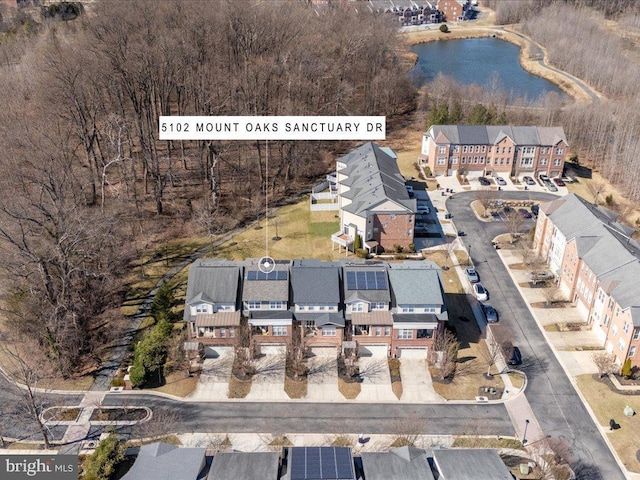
(239, 388)
(179, 384)
(517, 380)
(350, 390)
(396, 388)
(606, 405)
(295, 388)
(450, 279)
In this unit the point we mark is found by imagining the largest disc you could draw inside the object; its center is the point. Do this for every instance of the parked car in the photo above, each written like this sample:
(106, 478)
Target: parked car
(551, 186)
(490, 313)
(461, 233)
(472, 274)
(516, 357)
(543, 178)
(501, 181)
(481, 292)
(484, 181)
(409, 189)
(525, 213)
(540, 276)
(535, 209)
(559, 182)
(423, 209)
(528, 180)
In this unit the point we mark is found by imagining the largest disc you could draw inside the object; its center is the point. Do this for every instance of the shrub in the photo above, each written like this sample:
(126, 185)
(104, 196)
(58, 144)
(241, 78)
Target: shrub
(117, 382)
(609, 200)
(412, 248)
(150, 352)
(626, 371)
(104, 460)
(162, 304)
(357, 244)
(574, 159)
(444, 28)
(398, 248)
(362, 253)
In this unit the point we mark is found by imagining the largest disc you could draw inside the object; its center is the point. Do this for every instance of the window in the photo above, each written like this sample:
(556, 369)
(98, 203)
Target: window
(484, 148)
(543, 161)
(481, 159)
(408, 309)
(405, 334)
(614, 330)
(253, 305)
(378, 306)
(477, 148)
(378, 331)
(387, 331)
(621, 344)
(558, 151)
(464, 160)
(464, 149)
(223, 332)
(328, 331)
(475, 159)
(357, 307)
(454, 161)
(202, 308)
(276, 305)
(393, 216)
(279, 331)
(409, 232)
(442, 149)
(321, 308)
(557, 162)
(636, 333)
(632, 351)
(441, 161)
(625, 327)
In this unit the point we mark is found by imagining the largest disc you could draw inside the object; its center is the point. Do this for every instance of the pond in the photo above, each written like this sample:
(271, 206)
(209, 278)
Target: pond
(487, 62)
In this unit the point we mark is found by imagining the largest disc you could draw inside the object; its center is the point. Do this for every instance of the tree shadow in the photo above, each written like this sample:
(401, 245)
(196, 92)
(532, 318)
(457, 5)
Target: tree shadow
(270, 366)
(373, 369)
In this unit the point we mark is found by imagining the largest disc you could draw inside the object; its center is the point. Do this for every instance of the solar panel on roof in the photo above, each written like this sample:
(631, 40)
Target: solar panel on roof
(376, 280)
(344, 464)
(251, 275)
(275, 275)
(381, 281)
(351, 280)
(314, 463)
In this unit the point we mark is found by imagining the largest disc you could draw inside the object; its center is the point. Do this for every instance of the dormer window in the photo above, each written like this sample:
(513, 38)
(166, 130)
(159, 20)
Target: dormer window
(202, 308)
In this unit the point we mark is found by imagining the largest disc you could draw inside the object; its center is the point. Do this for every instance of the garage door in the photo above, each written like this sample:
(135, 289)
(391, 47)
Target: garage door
(373, 350)
(215, 352)
(272, 349)
(413, 353)
(324, 351)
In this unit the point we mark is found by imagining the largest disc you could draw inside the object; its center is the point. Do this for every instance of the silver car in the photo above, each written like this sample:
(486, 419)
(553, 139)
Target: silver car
(490, 313)
(472, 275)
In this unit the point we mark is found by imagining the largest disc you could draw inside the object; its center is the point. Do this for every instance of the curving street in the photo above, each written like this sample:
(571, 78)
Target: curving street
(551, 394)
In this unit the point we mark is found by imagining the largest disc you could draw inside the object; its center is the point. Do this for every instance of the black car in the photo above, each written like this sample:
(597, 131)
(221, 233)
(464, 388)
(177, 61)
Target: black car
(525, 213)
(484, 181)
(535, 209)
(516, 358)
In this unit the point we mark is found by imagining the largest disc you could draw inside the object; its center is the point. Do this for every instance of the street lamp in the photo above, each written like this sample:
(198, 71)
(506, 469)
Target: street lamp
(524, 436)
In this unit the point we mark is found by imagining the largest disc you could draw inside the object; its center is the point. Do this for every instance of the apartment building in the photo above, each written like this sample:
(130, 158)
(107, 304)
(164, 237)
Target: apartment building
(597, 266)
(373, 201)
(454, 10)
(487, 150)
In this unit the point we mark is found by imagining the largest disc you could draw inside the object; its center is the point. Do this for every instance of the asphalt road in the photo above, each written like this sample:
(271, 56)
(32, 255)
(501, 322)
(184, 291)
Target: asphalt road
(557, 406)
(289, 417)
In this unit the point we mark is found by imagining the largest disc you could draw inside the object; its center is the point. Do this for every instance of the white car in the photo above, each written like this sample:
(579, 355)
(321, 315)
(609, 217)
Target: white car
(481, 293)
(423, 209)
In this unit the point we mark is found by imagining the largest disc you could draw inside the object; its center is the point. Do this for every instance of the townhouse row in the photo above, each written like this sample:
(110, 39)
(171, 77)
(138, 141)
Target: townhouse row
(475, 150)
(597, 266)
(386, 309)
(162, 461)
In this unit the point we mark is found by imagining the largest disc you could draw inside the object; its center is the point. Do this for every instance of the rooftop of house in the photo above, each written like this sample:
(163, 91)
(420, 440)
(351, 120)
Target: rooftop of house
(258, 286)
(493, 134)
(366, 282)
(470, 464)
(402, 463)
(315, 282)
(244, 466)
(319, 463)
(374, 179)
(415, 283)
(213, 281)
(162, 461)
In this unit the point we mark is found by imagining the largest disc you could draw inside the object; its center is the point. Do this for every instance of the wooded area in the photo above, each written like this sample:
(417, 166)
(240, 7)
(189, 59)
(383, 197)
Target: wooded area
(84, 180)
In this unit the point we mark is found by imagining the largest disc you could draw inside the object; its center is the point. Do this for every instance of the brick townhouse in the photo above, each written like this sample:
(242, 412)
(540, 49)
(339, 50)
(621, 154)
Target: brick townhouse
(597, 267)
(494, 150)
(373, 200)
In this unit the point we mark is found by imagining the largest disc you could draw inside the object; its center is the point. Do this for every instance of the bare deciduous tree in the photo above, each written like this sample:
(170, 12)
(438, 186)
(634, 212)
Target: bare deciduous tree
(445, 353)
(605, 362)
(514, 223)
(486, 196)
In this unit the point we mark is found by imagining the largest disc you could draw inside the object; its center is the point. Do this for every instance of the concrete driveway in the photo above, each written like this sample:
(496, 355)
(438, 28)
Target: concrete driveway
(416, 382)
(322, 380)
(214, 379)
(268, 383)
(376, 380)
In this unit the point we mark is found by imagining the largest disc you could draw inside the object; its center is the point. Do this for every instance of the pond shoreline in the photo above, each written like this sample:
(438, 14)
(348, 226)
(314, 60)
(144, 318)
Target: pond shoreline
(508, 34)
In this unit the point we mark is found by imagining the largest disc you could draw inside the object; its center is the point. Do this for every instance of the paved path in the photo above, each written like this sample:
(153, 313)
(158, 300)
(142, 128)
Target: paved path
(214, 379)
(79, 430)
(268, 383)
(322, 380)
(416, 382)
(376, 380)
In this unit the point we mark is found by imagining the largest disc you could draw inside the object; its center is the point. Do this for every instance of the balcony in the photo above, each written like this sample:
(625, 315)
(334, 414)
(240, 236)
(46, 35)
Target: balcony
(342, 239)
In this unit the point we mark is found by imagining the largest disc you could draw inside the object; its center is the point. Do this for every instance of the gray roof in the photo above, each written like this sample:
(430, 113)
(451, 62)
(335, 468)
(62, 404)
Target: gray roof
(492, 134)
(315, 282)
(265, 290)
(322, 318)
(213, 281)
(415, 284)
(415, 318)
(365, 295)
(470, 464)
(270, 314)
(161, 461)
(244, 466)
(403, 463)
(374, 178)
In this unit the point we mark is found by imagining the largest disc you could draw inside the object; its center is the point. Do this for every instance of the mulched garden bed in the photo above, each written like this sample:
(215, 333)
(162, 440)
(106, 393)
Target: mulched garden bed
(118, 414)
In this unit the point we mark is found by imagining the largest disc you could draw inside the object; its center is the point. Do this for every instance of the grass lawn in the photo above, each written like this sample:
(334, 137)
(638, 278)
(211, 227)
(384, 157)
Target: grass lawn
(450, 279)
(239, 388)
(486, 442)
(517, 380)
(295, 388)
(349, 390)
(472, 363)
(606, 405)
(304, 234)
(178, 384)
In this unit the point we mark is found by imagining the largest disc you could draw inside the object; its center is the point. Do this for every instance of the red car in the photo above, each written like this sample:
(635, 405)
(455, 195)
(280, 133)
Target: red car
(559, 182)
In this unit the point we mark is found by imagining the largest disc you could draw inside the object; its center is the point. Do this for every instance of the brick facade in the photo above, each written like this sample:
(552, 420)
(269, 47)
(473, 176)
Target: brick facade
(393, 229)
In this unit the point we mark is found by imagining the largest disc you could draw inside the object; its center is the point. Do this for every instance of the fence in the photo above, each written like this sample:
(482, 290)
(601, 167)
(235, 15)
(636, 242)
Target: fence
(323, 201)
